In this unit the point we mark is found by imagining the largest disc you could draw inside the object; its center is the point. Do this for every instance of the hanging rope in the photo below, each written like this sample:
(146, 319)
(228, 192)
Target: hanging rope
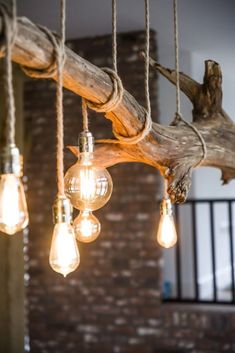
(10, 25)
(117, 93)
(176, 41)
(148, 121)
(59, 104)
(146, 81)
(114, 35)
(165, 193)
(178, 115)
(85, 121)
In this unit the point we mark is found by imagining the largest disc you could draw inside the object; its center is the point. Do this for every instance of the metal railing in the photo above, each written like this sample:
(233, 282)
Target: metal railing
(211, 278)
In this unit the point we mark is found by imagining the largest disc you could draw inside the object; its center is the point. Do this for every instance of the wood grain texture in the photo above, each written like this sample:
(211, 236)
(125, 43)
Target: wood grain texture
(174, 150)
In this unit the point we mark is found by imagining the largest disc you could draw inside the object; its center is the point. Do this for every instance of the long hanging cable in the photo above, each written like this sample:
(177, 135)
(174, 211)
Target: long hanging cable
(148, 121)
(85, 121)
(176, 41)
(10, 31)
(147, 33)
(114, 35)
(118, 88)
(59, 103)
(178, 116)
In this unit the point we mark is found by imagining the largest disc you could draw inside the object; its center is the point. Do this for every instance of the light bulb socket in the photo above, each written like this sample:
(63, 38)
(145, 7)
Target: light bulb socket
(11, 161)
(62, 210)
(166, 207)
(86, 142)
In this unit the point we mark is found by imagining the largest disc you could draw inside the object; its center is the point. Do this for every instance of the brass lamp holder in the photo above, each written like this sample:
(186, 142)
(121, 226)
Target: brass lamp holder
(86, 142)
(62, 210)
(11, 161)
(166, 207)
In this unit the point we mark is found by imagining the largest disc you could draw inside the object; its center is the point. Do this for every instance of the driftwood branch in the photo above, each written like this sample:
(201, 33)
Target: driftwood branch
(174, 150)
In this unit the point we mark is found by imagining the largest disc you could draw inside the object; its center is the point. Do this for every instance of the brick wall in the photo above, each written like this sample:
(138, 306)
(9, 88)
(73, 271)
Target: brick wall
(112, 303)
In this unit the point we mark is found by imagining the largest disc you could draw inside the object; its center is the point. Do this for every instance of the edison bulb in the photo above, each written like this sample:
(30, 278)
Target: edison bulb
(88, 187)
(64, 255)
(86, 227)
(166, 235)
(13, 206)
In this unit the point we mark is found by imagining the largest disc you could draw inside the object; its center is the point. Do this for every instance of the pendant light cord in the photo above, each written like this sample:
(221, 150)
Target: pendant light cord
(114, 35)
(116, 96)
(85, 121)
(178, 115)
(148, 121)
(147, 41)
(10, 25)
(59, 104)
(165, 193)
(176, 42)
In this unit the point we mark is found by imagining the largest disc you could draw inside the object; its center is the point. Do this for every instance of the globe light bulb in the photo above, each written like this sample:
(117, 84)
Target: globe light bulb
(13, 207)
(64, 254)
(166, 235)
(86, 227)
(88, 186)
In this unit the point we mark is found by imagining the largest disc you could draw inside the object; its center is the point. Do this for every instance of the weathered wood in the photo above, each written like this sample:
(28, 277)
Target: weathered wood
(174, 150)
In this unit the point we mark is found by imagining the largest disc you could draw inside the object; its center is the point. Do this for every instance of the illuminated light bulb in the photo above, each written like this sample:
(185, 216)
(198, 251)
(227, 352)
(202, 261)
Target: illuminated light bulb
(87, 185)
(166, 235)
(64, 254)
(13, 207)
(86, 227)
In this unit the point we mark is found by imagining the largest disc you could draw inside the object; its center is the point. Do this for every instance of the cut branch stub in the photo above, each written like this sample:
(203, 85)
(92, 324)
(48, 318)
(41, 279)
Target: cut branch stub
(171, 149)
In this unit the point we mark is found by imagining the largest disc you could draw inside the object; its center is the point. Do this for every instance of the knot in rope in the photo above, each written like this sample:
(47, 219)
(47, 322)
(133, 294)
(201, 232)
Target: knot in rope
(115, 97)
(178, 116)
(118, 91)
(58, 57)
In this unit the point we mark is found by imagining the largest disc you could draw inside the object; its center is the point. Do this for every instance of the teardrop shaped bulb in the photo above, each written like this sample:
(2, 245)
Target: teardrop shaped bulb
(13, 207)
(86, 227)
(166, 235)
(64, 254)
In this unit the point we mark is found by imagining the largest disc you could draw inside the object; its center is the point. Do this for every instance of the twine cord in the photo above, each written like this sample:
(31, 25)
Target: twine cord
(10, 25)
(59, 104)
(176, 42)
(85, 120)
(56, 68)
(146, 81)
(117, 93)
(114, 35)
(148, 121)
(178, 115)
(166, 196)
